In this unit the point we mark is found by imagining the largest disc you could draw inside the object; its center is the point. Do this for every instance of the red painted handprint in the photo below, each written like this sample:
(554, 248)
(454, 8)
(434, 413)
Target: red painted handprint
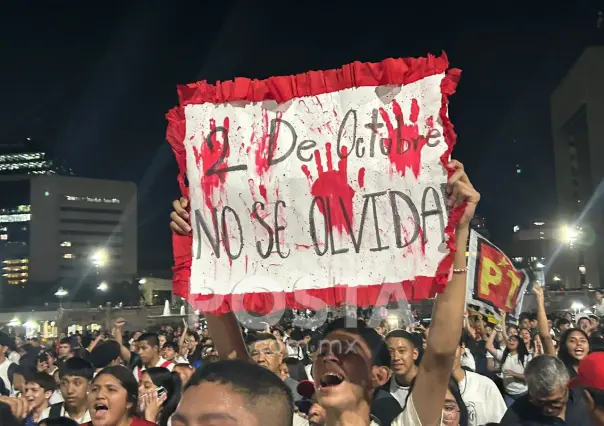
(406, 143)
(332, 186)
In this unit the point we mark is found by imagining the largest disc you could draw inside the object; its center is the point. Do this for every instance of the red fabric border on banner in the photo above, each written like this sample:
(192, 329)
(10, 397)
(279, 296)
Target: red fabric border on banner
(282, 89)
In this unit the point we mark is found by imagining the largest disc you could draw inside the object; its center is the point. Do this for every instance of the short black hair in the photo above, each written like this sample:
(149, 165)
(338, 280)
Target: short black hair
(66, 341)
(58, 421)
(76, 367)
(414, 339)
(105, 353)
(172, 345)
(44, 380)
(151, 338)
(260, 389)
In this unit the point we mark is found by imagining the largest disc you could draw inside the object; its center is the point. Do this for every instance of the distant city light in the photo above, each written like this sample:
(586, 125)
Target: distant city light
(103, 286)
(61, 292)
(99, 258)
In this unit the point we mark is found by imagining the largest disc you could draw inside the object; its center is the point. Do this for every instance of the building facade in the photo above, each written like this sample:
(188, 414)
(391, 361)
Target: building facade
(577, 108)
(65, 232)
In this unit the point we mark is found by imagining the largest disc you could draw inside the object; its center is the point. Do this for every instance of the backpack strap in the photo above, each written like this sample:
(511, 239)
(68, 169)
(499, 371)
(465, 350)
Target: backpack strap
(55, 410)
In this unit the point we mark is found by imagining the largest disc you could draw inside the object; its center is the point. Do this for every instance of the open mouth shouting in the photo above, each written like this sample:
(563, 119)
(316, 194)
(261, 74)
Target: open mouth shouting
(579, 352)
(330, 380)
(99, 411)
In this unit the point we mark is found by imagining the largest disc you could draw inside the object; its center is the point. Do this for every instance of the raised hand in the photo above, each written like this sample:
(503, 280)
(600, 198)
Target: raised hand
(461, 191)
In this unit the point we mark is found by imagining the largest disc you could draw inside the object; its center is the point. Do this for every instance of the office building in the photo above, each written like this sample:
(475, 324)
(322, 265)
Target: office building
(65, 232)
(22, 158)
(577, 108)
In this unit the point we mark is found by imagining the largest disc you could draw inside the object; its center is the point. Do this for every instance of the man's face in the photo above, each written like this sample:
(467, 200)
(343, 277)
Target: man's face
(147, 352)
(598, 296)
(526, 323)
(267, 353)
(213, 404)
(74, 390)
(35, 395)
(553, 404)
(190, 343)
(402, 354)
(64, 350)
(533, 323)
(169, 353)
(343, 370)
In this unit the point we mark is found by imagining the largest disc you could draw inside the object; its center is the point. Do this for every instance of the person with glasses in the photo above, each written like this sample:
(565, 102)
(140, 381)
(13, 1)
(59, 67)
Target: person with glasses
(549, 400)
(267, 352)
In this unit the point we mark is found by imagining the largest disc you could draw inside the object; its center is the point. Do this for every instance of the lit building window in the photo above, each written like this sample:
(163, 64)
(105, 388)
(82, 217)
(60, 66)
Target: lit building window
(3, 237)
(516, 228)
(66, 244)
(15, 261)
(92, 199)
(68, 256)
(538, 223)
(11, 218)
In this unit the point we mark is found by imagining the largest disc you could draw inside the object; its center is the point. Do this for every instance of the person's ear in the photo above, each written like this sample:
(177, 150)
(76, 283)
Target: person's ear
(48, 394)
(380, 375)
(415, 354)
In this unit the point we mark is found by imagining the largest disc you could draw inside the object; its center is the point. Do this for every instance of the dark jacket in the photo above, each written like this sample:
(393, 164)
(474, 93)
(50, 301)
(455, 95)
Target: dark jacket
(524, 413)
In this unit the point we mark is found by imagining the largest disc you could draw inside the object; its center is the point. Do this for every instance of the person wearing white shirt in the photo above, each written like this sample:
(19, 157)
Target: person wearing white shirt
(404, 357)
(148, 350)
(599, 306)
(75, 376)
(38, 390)
(5, 343)
(513, 360)
(479, 393)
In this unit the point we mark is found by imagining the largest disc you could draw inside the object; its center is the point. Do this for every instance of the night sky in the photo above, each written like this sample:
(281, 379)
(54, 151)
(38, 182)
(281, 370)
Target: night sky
(91, 81)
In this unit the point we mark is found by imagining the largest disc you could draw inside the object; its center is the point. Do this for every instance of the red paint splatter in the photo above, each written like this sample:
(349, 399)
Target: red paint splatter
(420, 237)
(206, 158)
(262, 150)
(362, 177)
(262, 189)
(304, 246)
(405, 141)
(246, 261)
(332, 185)
(319, 101)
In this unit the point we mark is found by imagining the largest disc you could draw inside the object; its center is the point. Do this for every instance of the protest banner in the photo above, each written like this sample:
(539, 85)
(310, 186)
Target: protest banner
(303, 188)
(493, 283)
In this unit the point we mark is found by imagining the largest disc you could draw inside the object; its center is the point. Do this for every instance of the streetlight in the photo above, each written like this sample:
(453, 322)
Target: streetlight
(60, 294)
(99, 258)
(569, 234)
(103, 286)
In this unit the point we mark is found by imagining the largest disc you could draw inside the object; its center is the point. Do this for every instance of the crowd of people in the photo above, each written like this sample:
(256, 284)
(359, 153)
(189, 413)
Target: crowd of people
(458, 369)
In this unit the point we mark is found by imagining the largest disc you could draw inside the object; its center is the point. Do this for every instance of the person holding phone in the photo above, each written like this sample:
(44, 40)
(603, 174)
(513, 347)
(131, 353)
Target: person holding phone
(159, 392)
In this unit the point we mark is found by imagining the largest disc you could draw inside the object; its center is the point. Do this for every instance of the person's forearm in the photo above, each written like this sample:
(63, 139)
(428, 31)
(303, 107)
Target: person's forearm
(227, 336)
(447, 321)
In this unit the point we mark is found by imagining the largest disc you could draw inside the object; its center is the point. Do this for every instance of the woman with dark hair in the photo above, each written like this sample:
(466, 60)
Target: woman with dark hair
(512, 359)
(159, 392)
(574, 346)
(113, 398)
